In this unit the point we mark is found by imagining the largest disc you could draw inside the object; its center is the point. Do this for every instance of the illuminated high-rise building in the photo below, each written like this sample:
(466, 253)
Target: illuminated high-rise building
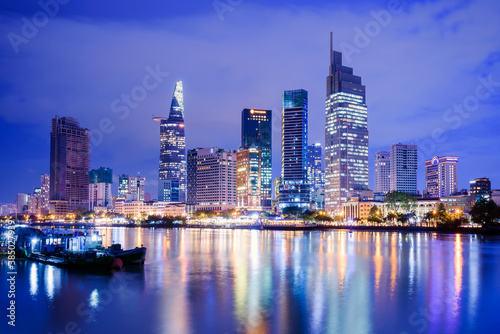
(131, 188)
(441, 177)
(69, 166)
(382, 172)
(100, 181)
(211, 179)
(248, 183)
(256, 130)
(315, 172)
(173, 165)
(404, 168)
(294, 189)
(479, 189)
(346, 134)
(45, 193)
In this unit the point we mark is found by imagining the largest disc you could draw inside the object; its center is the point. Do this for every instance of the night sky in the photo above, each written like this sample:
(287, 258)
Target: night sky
(431, 70)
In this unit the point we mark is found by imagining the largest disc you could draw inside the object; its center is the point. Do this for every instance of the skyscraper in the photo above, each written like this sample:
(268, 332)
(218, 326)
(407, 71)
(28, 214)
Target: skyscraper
(382, 172)
(294, 188)
(212, 179)
(131, 188)
(45, 193)
(100, 181)
(346, 134)
(248, 182)
(256, 130)
(404, 168)
(69, 165)
(441, 178)
(172, 171)
(315, 172)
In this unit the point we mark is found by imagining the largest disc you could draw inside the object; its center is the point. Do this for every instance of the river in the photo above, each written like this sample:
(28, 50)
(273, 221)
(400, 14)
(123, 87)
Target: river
(232, 281)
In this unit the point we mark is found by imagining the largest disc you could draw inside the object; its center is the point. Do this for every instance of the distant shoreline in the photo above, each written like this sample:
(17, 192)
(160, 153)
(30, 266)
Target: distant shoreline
(317, 227)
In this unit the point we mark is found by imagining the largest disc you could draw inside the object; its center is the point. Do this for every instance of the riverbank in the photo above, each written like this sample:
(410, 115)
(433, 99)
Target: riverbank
(297, 227)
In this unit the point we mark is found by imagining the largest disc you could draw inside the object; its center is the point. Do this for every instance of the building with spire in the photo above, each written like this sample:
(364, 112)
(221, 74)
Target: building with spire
(173, 165)
(346, 134)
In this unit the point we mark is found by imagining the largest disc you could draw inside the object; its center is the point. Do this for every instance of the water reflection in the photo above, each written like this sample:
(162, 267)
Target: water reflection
(201, 280)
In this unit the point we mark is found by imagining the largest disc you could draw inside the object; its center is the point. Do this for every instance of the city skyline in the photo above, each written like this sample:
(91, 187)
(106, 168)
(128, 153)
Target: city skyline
(27, 123)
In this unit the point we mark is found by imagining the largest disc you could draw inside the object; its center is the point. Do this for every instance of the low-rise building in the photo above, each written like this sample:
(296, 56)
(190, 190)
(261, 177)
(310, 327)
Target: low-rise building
(137, 209)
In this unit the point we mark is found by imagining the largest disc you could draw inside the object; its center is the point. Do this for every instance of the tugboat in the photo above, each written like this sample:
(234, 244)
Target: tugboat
(65, 249)
(131, 256)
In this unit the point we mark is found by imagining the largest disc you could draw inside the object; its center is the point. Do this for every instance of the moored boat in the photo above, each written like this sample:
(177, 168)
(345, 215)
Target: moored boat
(136, 255)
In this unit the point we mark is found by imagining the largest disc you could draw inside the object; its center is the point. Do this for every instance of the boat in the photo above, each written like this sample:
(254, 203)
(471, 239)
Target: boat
(136, 255)
(65, 248)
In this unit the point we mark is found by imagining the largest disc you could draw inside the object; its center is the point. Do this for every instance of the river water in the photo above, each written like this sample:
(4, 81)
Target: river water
(232, 281)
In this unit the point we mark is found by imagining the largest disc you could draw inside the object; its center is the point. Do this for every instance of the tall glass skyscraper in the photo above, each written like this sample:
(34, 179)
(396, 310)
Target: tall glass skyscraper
(69, 166)
(294, 189)
(172, 174)
(256, 130)
(315, 173)
(346, 134)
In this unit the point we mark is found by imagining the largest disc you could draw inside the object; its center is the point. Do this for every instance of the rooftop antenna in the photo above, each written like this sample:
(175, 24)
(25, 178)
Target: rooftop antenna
(331, 47)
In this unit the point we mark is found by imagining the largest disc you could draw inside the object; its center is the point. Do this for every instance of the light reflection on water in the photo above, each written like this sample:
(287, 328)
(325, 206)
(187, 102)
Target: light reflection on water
(216, 281)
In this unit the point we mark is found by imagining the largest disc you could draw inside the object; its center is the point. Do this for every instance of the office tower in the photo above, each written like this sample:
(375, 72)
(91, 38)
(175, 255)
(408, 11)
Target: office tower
(100, 181)
(248, 179)
(69, 166)
(403, 168)
(256, 129)
(172, 171)
(441, 176)
(346, 134)
(192, 160)
(22, 203)
(315, 172)
(479, 188)
(131, 188)
(213, 185)
(294, 189)
(35, 202)
(123, 185)
(45, 193)
(382, 172)
(136, 187)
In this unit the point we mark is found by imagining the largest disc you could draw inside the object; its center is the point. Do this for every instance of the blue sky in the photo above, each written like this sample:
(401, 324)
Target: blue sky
(431, 70)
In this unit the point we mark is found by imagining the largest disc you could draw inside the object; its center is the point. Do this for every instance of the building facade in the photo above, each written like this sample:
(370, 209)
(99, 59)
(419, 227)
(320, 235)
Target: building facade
(382, 172)
(69, 166)
(479, 188)
(44, 193)
(139, 209)
(100, 181)
(173, 163)
(212, 179)
(346, 134)
(315, 172)
(131, 188)
(256, 129)
(441, 178)
(404, 168)
(294, 188)
(248, 179)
